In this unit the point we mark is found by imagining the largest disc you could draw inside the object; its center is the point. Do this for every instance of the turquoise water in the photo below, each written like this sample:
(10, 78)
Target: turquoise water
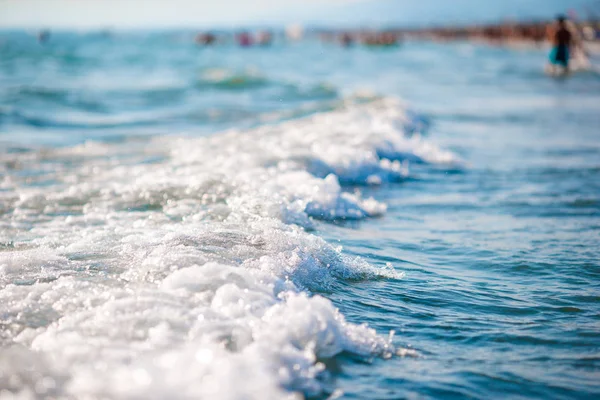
(176, 218)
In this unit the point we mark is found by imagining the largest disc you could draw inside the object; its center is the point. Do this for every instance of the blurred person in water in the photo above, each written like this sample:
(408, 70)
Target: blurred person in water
(562, 41)
(244, 39)
(566, 46)
(264, 38)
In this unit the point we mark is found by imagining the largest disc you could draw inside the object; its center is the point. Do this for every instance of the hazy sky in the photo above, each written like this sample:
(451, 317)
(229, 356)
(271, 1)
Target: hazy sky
(207, 13)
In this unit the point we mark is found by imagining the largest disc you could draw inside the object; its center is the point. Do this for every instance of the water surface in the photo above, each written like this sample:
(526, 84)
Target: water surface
(176, 218)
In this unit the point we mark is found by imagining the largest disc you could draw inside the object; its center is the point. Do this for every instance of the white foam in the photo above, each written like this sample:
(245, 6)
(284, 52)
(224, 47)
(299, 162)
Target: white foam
(122, 278)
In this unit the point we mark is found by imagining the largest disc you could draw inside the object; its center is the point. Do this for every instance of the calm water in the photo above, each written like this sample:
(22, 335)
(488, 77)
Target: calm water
(186, 222)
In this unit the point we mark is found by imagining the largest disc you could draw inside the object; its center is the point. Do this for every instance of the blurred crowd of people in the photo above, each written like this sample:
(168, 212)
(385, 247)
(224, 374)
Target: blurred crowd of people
(366, 38)
(242, 38)
(534, 32)
(295, 32)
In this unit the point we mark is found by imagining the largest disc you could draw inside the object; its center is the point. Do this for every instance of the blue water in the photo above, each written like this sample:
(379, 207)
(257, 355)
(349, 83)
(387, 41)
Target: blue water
(499, 246)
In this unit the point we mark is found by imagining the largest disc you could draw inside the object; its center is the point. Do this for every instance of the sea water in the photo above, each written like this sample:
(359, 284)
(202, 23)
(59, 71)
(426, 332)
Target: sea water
(300, 220)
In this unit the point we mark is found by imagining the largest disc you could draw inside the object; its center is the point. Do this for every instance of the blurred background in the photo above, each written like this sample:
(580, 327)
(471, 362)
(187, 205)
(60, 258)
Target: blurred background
(73, 69)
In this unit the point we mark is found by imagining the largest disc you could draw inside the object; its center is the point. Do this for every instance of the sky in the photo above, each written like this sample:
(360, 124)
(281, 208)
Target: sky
(230, 13)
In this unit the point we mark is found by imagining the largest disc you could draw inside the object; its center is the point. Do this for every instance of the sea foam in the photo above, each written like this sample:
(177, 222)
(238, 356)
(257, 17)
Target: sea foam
(186, 266)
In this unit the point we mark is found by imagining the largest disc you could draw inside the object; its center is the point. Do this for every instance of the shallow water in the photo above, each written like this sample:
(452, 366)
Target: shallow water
(174, 219)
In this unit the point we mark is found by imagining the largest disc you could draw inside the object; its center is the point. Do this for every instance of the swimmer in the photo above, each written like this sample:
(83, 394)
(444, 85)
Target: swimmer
(205, 39)
(562, 41)
(264, 38)
(43, 36)
(346, 39)
(244, 39)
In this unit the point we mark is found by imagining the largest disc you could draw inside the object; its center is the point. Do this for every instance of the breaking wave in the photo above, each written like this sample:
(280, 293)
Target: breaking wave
(139, 268)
